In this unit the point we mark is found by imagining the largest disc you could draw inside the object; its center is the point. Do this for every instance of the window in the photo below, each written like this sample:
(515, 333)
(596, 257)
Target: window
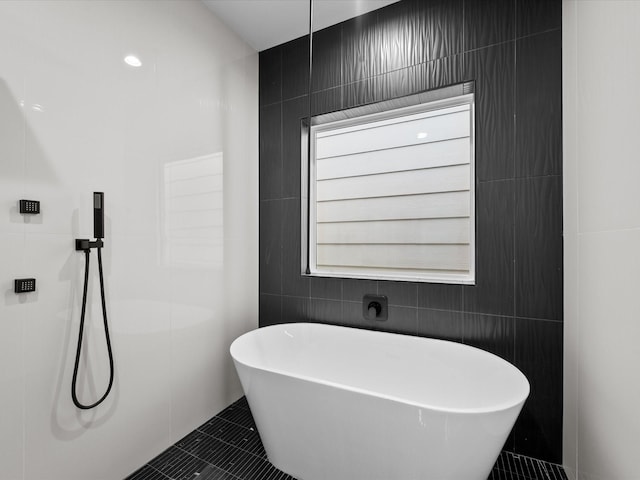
(388, 190)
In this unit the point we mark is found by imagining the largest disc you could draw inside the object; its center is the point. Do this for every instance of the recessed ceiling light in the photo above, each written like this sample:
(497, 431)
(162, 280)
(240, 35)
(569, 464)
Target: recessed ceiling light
(422, 135)
(132, 60)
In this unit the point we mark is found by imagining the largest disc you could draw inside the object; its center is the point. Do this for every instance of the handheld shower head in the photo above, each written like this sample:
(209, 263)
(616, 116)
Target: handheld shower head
(98, 214)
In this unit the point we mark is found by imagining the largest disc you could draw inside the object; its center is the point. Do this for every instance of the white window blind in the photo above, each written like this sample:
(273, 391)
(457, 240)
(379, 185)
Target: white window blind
(391, 194)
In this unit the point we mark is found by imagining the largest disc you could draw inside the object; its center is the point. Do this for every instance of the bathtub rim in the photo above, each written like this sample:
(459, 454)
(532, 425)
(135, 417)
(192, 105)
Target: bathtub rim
(498, 407)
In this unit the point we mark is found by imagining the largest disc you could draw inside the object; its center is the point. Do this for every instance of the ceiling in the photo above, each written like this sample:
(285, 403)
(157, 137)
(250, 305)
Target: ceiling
(266, 23)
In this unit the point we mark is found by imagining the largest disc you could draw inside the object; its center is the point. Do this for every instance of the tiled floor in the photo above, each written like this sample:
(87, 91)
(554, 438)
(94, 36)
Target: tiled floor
(228, 447)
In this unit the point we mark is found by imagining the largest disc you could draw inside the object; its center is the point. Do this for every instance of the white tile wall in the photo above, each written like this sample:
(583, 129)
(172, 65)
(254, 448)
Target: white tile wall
(11, 359)
(601, 46)
(75, 119)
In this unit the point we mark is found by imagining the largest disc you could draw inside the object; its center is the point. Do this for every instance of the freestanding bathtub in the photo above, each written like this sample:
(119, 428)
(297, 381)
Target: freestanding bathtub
(338, 403)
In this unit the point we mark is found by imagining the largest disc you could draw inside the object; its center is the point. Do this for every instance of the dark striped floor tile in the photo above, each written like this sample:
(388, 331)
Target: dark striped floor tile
(238, 415)
(180, 465)
(245, 438)
(555, 472)
(497, 474)
(227, 457)
(147, 473)
(242, 403)
(529, 468)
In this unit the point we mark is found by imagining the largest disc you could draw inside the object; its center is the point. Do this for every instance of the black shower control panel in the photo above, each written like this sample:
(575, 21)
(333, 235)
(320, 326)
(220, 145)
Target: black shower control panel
(22, 285)
(30, 206)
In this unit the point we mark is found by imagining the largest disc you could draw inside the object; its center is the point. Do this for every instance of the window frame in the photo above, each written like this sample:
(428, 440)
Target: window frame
(387, 111)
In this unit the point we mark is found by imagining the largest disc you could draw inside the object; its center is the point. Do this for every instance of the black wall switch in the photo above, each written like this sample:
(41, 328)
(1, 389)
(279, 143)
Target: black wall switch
(22, 285)
(30, 206)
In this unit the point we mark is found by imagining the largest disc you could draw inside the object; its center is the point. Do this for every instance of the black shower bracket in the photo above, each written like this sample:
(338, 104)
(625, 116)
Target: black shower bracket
(85, 244)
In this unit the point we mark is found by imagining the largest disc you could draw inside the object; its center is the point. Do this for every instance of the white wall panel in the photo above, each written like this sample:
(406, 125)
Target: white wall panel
(101, 125)
(601, 47)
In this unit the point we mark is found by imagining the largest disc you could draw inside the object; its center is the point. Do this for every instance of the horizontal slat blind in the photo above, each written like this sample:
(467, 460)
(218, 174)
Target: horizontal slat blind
(411, 157)
(391, 134)
(449, 179)
(438, 205)
(433, 230)
(393, 196)
(431, 257)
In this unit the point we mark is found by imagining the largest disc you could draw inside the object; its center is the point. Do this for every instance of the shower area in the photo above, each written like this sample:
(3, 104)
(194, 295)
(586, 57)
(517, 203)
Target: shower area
(153, 103)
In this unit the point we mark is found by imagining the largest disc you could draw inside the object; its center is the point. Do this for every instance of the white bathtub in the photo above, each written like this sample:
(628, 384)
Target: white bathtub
(337, 403)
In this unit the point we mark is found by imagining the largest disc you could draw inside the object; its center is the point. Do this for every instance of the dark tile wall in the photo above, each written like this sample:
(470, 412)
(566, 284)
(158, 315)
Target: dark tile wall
(512, 49)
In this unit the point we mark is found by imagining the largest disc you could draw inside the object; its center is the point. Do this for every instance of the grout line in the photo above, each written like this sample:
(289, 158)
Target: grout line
(207, 462)
(227, 421)
(232, 446)
(542, 32)
(157, 471)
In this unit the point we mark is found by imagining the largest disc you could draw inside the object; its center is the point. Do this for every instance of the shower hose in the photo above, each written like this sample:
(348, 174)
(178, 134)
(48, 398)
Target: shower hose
(106, 332)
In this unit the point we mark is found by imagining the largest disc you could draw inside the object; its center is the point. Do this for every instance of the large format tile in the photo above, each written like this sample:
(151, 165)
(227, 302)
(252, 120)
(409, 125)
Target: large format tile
(12, 149)
(538, 244)
(325, 311)
(326, 287)
(492, 69)
(293, 113)
(538, 354)
(270, 76)
(401, 294)
(606, 117)
(271, 246)
(493, 290)
(414, 32)
(539, 105)
(608, 392)
(139, 331)
(327, 101)
(440, 324)
(488, 22)
(353, 290)
(271, 152)
(295, 68)
(326, 54)
(437, 73)
(362, 40)
(270, 309)
(200, 352)
(295, 309)
(293, 282)
(535, 16)
(492, 333)
(441, 296)
(400, 320)
(13, 310)
(362, 92)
